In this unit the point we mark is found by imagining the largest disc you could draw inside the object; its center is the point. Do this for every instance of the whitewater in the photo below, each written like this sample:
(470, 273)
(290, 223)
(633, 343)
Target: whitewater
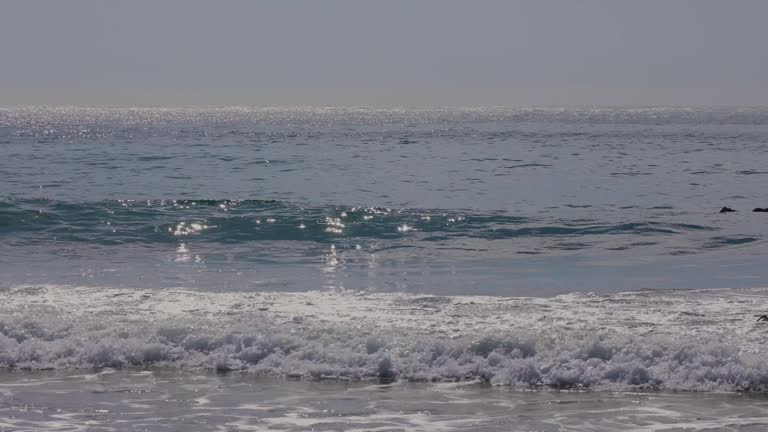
(675, 340)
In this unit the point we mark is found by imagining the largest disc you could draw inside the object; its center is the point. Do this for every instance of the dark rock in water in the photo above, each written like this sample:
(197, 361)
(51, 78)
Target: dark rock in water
(726, 210)
(764, 210)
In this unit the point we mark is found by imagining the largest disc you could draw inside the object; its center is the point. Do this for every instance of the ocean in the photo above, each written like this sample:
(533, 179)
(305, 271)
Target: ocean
(233, 268)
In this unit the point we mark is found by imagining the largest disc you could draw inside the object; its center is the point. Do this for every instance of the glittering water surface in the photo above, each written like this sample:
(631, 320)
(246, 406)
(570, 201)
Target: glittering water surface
(365, 269)
(453, 201)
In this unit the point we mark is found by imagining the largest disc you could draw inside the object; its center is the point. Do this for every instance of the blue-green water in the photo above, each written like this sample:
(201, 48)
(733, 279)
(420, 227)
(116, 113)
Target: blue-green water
(447, 201)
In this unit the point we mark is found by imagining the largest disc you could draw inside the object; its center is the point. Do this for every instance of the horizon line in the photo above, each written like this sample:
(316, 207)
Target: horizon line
(384, 106)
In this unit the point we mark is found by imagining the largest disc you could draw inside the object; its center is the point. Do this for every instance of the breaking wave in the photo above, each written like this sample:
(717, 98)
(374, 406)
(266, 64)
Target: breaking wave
(687, 340)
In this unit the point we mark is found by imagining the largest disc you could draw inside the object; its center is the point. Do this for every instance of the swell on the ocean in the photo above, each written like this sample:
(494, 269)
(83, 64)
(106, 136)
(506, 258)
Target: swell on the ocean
(149, 222)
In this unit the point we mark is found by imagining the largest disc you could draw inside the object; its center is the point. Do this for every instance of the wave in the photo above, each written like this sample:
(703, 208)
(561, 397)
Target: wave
(117, 222)
(704, 340)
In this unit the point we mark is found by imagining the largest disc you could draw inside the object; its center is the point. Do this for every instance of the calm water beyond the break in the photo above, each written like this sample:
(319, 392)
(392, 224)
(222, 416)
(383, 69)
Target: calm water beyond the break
(454, 201)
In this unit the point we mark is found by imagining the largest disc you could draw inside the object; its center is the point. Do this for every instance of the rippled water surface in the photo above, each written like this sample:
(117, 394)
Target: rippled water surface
(495, 201)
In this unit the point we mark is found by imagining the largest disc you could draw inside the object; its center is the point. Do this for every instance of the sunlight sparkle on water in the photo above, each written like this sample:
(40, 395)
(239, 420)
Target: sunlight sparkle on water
(184, 228)
(335, 225)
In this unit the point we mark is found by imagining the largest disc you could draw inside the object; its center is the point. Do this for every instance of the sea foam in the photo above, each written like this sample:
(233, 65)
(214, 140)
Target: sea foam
(706, 340)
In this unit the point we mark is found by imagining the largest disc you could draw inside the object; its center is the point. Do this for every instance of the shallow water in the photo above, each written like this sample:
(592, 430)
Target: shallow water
(160, 400)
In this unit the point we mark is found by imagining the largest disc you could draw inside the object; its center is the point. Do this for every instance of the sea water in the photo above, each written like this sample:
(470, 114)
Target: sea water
(382, 269)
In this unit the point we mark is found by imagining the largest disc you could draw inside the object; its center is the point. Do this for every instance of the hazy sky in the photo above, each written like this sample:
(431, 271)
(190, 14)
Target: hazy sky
(387, 52)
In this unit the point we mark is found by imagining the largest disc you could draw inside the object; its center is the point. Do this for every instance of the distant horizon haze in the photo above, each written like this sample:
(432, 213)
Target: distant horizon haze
(523, 98)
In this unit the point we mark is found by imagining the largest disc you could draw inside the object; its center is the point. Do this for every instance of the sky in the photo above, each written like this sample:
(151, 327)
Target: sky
(387, 52)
